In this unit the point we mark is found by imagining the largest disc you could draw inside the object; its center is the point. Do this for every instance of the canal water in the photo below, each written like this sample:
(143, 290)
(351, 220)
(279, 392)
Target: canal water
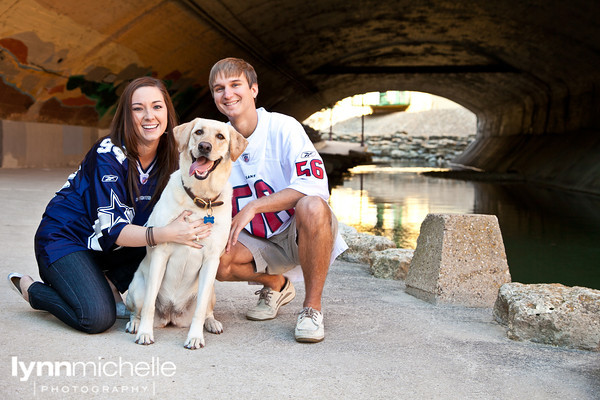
(550, 235)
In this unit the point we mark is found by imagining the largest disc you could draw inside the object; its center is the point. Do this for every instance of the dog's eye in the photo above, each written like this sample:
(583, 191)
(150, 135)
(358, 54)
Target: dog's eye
(220, 136)
(199, 132)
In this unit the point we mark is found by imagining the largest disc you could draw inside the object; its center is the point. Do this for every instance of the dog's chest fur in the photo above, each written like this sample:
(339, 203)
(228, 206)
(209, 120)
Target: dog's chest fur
(179, 286)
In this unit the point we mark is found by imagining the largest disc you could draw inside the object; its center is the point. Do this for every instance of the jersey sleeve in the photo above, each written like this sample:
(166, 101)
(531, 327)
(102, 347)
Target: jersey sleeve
(303, 164)
(108, 200)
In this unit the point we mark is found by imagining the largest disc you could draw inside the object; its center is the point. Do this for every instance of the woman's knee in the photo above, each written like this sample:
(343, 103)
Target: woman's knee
(97, 317)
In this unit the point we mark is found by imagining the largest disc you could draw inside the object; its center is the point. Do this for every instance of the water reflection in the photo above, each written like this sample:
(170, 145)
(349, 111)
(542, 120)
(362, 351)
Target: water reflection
(549, 235)
(394, 201)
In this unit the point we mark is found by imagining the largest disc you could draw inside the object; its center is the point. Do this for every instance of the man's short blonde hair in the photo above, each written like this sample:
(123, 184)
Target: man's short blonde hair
(232, 67)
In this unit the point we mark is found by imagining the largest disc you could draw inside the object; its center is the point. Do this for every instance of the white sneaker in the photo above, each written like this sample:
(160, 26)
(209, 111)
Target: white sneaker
(310, 327)
(269, 302)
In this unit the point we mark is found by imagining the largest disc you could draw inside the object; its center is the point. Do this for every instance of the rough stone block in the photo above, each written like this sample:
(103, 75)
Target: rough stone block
(459, 259)
(361, 245)
(346, 230)
(551, 314)
(391, 263)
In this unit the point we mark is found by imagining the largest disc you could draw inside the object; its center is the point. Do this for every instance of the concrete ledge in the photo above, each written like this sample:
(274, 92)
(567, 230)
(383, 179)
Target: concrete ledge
(459, 259)
(551, 314)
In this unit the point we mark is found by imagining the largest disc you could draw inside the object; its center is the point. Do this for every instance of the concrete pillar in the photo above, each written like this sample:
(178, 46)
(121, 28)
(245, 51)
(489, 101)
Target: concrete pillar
(459, 259)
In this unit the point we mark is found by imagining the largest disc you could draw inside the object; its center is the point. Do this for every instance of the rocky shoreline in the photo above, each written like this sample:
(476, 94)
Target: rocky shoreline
(399, 146)
(551, 314)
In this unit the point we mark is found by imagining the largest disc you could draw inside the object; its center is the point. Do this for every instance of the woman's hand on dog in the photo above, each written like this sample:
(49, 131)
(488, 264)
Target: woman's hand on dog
(184, 231)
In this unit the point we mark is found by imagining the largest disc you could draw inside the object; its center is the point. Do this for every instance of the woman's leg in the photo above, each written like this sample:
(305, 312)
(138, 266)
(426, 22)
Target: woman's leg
(76, 292)
(120, 265)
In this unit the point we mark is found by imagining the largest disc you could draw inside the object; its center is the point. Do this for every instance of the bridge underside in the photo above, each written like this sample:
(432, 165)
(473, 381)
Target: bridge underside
(527, 69)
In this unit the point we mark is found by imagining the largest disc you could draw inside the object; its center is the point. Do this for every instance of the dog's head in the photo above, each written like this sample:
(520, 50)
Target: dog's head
(206, 146)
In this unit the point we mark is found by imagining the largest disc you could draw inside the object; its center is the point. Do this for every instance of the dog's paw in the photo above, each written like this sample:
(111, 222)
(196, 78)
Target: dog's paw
(132, 325)
(213, 326)
(144, 338)
(194, 343)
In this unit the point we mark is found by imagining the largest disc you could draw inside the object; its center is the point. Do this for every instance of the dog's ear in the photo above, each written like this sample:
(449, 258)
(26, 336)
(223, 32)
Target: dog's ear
(182, 134)
(237, 143)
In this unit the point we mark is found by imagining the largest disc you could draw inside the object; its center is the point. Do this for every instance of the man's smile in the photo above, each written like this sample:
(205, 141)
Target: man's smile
(231, 103)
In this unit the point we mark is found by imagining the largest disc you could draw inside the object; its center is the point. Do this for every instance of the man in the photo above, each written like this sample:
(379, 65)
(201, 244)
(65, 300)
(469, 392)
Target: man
(281, 216)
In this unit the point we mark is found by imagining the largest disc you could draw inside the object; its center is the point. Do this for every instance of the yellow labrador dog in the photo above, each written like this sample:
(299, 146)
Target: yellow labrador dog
(172, 275)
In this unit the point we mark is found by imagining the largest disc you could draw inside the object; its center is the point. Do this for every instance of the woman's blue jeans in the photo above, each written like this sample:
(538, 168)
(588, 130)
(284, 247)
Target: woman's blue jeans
(75, 289)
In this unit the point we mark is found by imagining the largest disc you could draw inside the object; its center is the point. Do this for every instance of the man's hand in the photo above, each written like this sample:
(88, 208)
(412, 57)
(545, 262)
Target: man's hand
(238, 223)
(275, 202)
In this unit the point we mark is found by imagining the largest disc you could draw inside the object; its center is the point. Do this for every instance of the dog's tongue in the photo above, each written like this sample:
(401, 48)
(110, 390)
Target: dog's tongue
(201, 166)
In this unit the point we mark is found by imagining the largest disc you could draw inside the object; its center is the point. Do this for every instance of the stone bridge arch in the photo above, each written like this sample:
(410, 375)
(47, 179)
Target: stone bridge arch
(528, 69)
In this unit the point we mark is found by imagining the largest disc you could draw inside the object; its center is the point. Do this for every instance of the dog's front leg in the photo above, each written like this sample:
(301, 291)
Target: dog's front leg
(210, 323)
(135, 296)
(156, 272)
(208, 272)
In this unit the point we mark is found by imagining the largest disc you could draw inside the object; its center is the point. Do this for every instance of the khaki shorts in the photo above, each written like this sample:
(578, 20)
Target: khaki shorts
(279, 253)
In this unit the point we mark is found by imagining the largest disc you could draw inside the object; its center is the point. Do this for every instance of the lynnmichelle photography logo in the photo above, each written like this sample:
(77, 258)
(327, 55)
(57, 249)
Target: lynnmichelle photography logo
(52, 377)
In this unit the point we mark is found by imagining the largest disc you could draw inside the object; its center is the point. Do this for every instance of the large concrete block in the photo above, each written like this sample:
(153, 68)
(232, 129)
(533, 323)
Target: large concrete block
(551, 314)
(459, 259)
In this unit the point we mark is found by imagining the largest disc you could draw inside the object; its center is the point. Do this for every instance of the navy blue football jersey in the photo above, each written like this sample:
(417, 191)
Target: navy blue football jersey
(94, 205)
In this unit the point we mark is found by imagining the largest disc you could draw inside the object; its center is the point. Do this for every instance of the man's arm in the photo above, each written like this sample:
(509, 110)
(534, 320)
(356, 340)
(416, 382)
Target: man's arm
(278, 201)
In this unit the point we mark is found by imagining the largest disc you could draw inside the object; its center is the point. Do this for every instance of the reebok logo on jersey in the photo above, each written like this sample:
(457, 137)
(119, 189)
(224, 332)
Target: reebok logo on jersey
(110, 178)
(307, 154)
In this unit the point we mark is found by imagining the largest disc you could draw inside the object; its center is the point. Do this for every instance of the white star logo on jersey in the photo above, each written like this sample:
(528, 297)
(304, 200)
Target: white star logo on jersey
(106, 215)
(107, 219)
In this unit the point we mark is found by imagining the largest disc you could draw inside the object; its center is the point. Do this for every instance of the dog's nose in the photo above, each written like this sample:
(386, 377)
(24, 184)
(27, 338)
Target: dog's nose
(204, 147)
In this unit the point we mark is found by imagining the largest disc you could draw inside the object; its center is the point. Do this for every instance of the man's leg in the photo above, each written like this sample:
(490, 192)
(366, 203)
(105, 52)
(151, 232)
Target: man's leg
(239, 265)
(314, 224)
(315, 244)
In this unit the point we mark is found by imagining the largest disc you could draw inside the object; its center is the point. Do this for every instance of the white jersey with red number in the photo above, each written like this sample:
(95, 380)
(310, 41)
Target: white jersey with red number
(279, 155)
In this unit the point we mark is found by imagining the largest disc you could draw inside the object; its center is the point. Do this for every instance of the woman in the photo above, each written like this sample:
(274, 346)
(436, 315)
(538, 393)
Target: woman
(92, 235)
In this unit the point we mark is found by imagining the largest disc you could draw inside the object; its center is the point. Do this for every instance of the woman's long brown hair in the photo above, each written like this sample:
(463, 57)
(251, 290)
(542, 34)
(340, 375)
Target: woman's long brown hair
(123, 133)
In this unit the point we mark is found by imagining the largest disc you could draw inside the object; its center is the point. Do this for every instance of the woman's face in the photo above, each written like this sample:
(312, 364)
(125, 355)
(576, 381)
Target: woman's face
(149, 113)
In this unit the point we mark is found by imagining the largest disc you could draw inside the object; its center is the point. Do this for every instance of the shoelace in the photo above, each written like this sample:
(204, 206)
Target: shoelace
(308, 312)
(264, 294)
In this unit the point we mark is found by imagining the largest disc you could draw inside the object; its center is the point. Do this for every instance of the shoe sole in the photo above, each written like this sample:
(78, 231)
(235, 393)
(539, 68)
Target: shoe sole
(309, 339)
(273, 317)
(14, 285)
(259, 319)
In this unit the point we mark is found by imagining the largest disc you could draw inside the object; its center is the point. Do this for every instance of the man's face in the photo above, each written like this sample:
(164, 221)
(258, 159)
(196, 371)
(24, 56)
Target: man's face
(233, 96)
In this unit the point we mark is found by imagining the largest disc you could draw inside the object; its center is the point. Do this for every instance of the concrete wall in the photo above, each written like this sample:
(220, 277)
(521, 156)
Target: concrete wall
(41, 145)
(553, 140)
